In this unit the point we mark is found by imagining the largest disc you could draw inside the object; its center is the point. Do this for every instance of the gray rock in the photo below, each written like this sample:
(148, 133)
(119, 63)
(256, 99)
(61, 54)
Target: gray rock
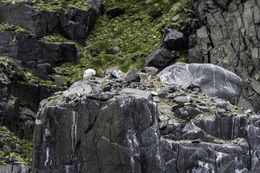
(159, 58)
(42, 22)
(213, 80)
(182, 99)
(135, 93)
(126, 129)
(96, 4)
(175, 18)
(145, 76)
(186, 112)
(150, 70)
(133, 76)
(14, 168)
(29, 51)
(78, 89)
(175, 40)
(229, 37)
(116, 49)
(116, 74)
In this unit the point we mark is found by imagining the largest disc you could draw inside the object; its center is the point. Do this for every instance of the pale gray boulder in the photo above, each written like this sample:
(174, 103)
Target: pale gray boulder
(213, 80)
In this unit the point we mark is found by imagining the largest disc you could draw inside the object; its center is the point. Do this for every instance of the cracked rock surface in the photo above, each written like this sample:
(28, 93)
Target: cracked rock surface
(119, 130)
(229, 37)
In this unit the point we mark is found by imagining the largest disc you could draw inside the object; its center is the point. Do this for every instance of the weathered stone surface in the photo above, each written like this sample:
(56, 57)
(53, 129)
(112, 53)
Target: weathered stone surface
(175, 40)
(28, 51)
(75, 24)
(129, 133)
(14, 168)
(133, 76)
(159, 58)
(19, 99)
(229, 38)
(213, 80)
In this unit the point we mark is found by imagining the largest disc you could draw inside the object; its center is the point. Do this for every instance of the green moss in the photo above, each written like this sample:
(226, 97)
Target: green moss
(10, 68)
(24, 146)
(181, 59)
(55, 4)
(55, 38)
(247, 81)
(7, 26)
(53, 100)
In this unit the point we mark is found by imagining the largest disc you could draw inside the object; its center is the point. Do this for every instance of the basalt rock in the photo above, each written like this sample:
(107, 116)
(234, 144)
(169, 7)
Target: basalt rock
(175, 40)
(33, 54)
(75, 24)
(128, 132)
(229, 37)
(19, 99)
(160, 57)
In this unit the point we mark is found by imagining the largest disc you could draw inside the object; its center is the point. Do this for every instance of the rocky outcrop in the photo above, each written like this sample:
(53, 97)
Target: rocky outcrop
(20, 98)
(213, 80)
(160, 57)
(30, 49)
(229, 38)
(143, 129)
(36, 55)
(15, 154)
(75, 24)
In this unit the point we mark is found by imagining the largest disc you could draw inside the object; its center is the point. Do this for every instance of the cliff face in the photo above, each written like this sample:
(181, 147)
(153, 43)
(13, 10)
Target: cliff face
(155, 129)
(136, 124)
(229, 37)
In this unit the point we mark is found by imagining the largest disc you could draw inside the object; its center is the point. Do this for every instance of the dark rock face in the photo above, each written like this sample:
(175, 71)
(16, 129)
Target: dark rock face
(130, 133)
(32, 53)
(159, 58)
(229, 38)
(133, 76)
(114, 12)
(76, 24)
(14, 168)
(175, 40)
(213, 80)
(98, 137)
(19, 100)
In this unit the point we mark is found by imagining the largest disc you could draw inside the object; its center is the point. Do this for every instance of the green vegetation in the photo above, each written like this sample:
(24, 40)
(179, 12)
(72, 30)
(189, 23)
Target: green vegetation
(7, 26)
(247, 81)
(136, 33)
(9, 69)
(55, 38)
(55, 4)
(18, 150)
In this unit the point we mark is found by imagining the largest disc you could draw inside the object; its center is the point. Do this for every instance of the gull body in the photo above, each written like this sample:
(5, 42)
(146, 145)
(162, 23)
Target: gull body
(88, 74)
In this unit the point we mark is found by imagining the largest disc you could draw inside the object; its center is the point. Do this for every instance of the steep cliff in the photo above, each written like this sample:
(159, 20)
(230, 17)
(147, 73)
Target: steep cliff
(229, 37)
(109, 125)
(132, 123)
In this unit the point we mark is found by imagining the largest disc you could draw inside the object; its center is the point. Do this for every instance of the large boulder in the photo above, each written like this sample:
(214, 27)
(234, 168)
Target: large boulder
(175, 40)
(160, 57)
(213, 80)
(32, 53)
